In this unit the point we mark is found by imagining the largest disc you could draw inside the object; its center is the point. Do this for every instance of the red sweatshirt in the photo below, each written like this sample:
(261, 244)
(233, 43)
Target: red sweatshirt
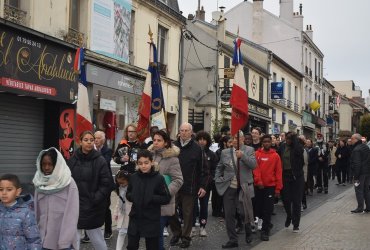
(268, 172)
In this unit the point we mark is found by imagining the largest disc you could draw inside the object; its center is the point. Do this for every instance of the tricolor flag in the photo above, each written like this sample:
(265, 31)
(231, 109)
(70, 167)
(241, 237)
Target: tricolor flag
(239, 96)
(338, 101)
(83, 108)
(151, 106)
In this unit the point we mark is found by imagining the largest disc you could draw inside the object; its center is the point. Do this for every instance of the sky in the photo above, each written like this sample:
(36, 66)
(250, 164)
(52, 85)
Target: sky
(340, 30)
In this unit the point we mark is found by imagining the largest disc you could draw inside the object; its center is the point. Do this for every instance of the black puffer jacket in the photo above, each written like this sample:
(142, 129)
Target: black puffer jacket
(344, 153)
(360, 160)
(147, 192)
(194, 172)
(94, 186)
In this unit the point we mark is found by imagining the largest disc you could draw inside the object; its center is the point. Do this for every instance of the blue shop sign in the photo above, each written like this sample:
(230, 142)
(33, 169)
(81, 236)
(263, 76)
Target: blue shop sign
(277, 90)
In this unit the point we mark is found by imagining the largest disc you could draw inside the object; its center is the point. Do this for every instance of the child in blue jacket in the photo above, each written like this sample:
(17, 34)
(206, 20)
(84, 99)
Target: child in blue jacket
(18, 227)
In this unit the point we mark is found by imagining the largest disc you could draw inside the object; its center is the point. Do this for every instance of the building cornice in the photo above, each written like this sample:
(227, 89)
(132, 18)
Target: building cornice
(307, 39)
(165, 10)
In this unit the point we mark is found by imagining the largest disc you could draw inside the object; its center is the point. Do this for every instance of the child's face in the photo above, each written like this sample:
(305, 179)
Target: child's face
(8, 192)
(122, 182)
(47, 166)
(145, 164)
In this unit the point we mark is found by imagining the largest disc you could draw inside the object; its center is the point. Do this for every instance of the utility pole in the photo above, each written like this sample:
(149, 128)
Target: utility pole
(181, 82)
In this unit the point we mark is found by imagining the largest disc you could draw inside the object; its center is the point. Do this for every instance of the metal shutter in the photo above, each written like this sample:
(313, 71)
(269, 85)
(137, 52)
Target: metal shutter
(22, 134)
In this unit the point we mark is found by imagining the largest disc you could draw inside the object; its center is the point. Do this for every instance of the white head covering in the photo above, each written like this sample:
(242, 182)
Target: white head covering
(59, 179)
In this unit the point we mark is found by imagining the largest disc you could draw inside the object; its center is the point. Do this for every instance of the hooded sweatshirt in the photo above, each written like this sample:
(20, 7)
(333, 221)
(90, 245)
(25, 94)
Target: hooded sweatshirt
(268, 172)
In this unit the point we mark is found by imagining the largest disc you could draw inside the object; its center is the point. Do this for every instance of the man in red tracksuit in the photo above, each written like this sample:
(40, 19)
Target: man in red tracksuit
(268, 182)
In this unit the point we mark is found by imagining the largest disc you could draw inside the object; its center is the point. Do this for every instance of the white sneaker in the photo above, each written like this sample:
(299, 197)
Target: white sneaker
(165, 232)
(259, 224)
(193, 232)
(197, 224)
(203, 232)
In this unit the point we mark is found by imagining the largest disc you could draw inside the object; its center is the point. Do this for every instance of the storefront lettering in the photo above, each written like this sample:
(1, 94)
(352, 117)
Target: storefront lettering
(257, 109)
(29, 87)
(46, 66)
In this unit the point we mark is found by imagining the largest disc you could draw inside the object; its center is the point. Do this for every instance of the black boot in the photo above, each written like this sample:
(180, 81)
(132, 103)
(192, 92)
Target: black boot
(264, 236)
(248, 233)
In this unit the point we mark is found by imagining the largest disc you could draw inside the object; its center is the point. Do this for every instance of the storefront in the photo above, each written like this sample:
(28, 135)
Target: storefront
(115, 97)
(38, 90)
(258, 116)
(308, 126)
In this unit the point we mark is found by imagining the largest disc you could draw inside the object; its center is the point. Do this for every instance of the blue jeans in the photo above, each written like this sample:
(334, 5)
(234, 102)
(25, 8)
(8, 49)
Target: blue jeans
(164, 221)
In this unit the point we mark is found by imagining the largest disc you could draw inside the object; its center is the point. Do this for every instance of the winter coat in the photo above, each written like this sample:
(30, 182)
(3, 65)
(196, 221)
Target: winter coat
(296, 157)
(323, 152)
(312, 160)
(212, 159)
(360, 160)
(168, 164)
(132, 149)
(194, 172)
(226, 169)
(57, 216)
(122, 210)
(268, 172)
(344, 153)
(93, 180)
(107, 154)
(147, 192)
(18, 226)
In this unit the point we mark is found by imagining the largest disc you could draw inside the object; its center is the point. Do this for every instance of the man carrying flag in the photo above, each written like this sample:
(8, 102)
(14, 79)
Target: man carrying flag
(234, 178)
(151, 107)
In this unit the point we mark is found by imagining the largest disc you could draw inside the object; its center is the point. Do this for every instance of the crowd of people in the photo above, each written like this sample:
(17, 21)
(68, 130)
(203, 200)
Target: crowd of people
(164, 183)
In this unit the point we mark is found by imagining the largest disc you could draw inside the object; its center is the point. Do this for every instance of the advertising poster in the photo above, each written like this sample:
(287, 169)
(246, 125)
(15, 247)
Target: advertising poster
(110, 28)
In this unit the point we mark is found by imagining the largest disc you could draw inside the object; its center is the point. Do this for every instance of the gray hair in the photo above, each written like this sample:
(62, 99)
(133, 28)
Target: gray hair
(100, 133)
(187, 124)
(357, 136)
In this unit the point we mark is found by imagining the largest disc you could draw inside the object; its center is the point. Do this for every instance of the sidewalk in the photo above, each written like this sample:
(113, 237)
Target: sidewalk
(331, 226)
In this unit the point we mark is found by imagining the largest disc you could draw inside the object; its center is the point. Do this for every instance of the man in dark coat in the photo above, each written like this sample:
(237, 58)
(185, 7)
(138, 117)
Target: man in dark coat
(323, 165)
(107, 153)
(360, 166)
(196, 177)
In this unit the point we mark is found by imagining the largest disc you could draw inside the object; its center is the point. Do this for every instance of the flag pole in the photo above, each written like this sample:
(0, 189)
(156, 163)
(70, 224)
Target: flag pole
(150, 33)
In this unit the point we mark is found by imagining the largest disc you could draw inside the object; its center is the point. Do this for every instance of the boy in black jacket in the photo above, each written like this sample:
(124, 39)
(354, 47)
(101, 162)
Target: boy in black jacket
(147, 190)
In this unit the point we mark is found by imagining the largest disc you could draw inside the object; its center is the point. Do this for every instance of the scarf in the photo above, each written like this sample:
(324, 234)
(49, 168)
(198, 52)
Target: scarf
(58, 180)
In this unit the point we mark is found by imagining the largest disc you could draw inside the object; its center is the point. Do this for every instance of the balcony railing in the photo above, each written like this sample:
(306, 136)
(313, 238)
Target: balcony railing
(287, 104)
(15, 15)
(76, 37)
(162, 68)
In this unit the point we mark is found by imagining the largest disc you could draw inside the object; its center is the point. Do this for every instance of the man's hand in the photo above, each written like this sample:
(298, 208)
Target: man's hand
(239, 154)
(201, 192)
(125, 158)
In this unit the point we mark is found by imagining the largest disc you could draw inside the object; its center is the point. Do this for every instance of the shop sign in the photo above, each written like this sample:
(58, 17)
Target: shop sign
(35, 66)
(307, 117)
(106, 104)
(111, 79)
(225, 95)
(257, 109)
(229, 73)
(277, 90)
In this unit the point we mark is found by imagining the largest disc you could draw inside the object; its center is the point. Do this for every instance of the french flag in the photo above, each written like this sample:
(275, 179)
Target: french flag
(83, 108)
(239, 96)
(145, 102)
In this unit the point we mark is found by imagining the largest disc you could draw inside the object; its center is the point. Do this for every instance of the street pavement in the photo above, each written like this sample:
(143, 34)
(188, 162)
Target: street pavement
(327, 223)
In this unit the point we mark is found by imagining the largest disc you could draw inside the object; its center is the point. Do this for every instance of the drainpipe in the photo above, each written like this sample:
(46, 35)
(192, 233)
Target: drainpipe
(270, 58)
(181, 80)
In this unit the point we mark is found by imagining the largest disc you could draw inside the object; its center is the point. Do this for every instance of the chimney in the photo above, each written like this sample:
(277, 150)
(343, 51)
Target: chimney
(190, 17)
(309, 31)
(257, 21)
(200, 14)
(218, 19)
(286, 10)
(298, 19)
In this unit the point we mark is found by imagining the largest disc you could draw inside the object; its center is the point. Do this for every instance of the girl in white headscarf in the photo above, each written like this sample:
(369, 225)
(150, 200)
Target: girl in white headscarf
(56, 201)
